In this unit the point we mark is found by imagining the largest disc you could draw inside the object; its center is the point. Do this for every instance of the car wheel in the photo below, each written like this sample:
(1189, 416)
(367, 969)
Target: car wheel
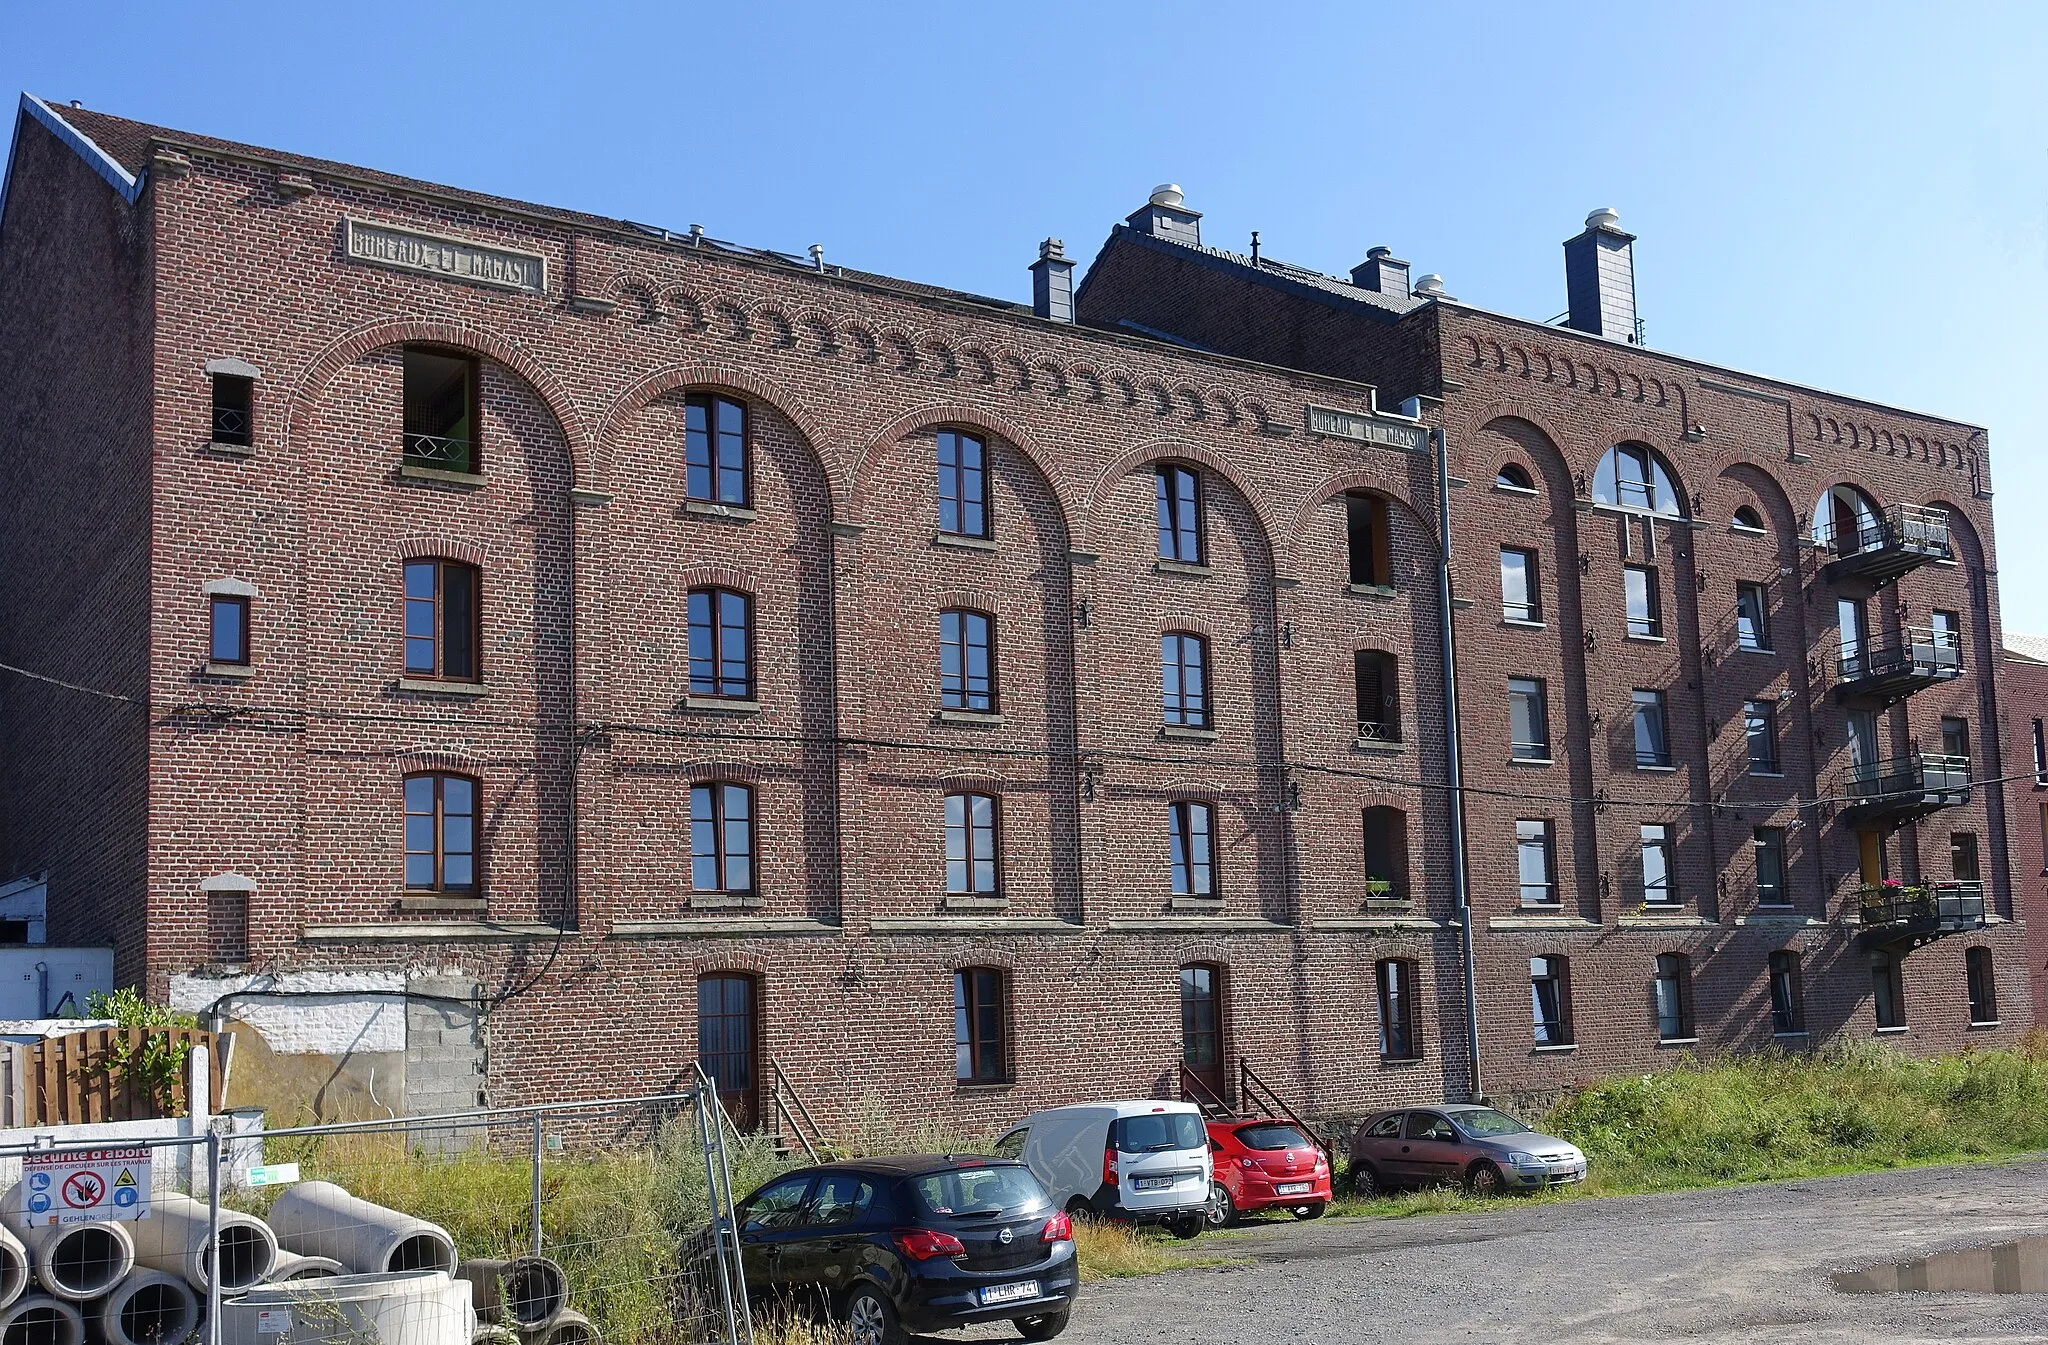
(871, 1318)
(1185, 1225)
(1044, 1326)
(1077, 1208)
(1222, 1211)
(1365, 1182)
(1484, 1179)
(1312, 1210)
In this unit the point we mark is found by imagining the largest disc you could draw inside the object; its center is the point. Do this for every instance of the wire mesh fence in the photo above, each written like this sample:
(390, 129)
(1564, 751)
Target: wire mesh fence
(578, 1224)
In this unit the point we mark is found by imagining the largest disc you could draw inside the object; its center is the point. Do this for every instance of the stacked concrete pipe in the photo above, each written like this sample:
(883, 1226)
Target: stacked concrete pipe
(174, 1239)
(71, 1261)
(525, 1292)
(569, 1327)
(290, 1267)
(321, 1219)
(13, 1268)
(39, 1319)
(150, 1307)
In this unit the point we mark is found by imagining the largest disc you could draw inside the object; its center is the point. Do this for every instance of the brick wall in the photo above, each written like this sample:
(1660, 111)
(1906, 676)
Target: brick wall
(2023, 688)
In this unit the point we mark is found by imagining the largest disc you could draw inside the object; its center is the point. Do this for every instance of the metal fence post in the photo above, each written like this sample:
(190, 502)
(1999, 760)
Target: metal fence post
(538, 1140)
(212, 1236)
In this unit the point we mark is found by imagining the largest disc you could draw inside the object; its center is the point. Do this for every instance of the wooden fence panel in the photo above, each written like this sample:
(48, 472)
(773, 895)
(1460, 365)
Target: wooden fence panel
(78, 1078)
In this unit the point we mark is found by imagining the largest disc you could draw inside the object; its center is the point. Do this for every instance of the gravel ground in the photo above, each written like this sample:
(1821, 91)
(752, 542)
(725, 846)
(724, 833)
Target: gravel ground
(1739, 1264)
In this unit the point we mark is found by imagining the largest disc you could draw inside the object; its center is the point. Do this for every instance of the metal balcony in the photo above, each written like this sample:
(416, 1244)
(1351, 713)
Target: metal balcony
(1898, 916)
(1909, 661)
(1884, 546)
(1897, 789)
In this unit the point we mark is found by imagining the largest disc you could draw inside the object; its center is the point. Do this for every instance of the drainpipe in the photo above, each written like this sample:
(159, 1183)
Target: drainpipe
(1455, 752)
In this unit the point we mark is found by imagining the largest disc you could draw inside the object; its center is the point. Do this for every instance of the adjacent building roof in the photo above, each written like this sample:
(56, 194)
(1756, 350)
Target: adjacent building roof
(1286, 275)
(2026, 648)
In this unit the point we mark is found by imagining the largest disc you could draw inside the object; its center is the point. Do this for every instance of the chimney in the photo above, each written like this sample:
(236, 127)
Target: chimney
(1382, 273)
(1600, 278)
(1052, 282)
(1165, 216)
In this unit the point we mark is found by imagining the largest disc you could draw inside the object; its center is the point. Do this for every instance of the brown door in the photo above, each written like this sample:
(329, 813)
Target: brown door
(1201, 1029)
(725, 1042)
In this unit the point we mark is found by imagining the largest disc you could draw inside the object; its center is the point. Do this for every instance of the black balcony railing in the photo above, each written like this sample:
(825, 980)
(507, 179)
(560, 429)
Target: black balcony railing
(1898, 788)
(1380, 731)
(1902, 664)
(1899, 913)
(440, 452)
(1879, 548)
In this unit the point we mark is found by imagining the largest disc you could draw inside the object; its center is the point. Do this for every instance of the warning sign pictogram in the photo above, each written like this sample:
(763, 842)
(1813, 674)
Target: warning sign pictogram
(86, 1186)
(83, 1190)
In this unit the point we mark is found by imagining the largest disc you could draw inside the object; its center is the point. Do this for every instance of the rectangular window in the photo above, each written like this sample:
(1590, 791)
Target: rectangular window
(1849, 620)
(963, 485)
(1983, 985)
(1753, 617)
(979, 1010)
(1520, 594)
(440, 834)
(971, 868)
(967, 677)
(1550, 1000)
(1536, 862)
(1760, 726)
(1192, 828)
(1528, 720)
(1180, 515)
(1386, 853)
(1788, 996)
(715, 449)
(1887, 990)
(441, 616)
(1962, 857)
(1947, 629)
(1653, 741)
(1184, 680)
(1377, 685)
(721, 643)
(1672, 991)
(722, 839)
(1396, 977)
(2040, 755)
(1645, 603)
(440, 411)
(1769, 846)
(233, 410)
(1657, 889)
(1365, 536)
(1955, 737)
(228, 629)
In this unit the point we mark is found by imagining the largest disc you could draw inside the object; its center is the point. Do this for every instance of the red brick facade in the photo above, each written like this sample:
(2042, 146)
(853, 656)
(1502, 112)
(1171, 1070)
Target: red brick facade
(586, 740)
(2023, 697)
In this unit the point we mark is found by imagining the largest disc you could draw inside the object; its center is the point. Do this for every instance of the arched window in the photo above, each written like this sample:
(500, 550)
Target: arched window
(1748, 519)
(722, 839)
(727, 1039)
(1513, 476)
(1367, 541)
(1184, 680)
(715, 449)
(1846, 521)
(1672, 992)
(1386, 854)
(440, 833)
(967, 663)
(1396, 984)
(442, 620)
(721, 644)
(963, 484)
(1376, 676)
(973, 867)
(1635, 477)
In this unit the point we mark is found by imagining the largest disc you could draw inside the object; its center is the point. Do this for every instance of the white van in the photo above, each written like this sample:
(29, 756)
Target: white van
(1146, 1161)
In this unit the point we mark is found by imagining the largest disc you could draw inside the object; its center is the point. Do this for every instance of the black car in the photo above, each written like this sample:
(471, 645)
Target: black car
(918, 1243)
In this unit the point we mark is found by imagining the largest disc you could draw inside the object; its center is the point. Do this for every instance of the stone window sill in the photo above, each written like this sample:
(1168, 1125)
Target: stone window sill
(730, 513)
(971, 718)
(412, 472)
(1379, 591)
(1566, 1049)
(429, 901)
(1381, 746)
(1986, 1026)
(1657, 770)
(982, 1088)
(232, 450)
(1197, 903)
(1891, 1031)
(1747, 531)
(964, 901)
(964, 542)
(1500, 489)
(724, 901)
(1523, 623)
(1644, 639)
(229, 670)
(1400, 1060)
(1678, 1041)
(458, 690)
(1766, 775)
(1187, 733)
(1532, 761)
(1789, 1036)
(1753, 649)
(721, 705)
(1181, 567)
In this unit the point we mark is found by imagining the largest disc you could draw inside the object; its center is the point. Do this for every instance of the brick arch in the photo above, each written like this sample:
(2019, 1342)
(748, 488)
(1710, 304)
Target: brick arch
(810, 427)
(715, 575)
(458, 334)
(441, 547)
(1185, 623)
(1788, 523)
(729, 962)
(724, 770)
(1464, 436)
(414, 760)
(849, 492)
(1161, 450)
(971, 782)
(1379, 483)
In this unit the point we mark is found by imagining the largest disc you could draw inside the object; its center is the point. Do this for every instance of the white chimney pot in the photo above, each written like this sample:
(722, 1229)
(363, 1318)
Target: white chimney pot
(1167, 194)
(1604, 218)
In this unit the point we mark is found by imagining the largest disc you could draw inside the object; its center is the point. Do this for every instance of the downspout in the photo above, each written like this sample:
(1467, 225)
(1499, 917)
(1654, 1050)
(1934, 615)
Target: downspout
(1455, 753)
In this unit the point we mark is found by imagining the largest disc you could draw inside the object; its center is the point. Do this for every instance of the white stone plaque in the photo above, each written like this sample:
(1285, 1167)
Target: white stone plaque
(1368, 429)
(448, 258)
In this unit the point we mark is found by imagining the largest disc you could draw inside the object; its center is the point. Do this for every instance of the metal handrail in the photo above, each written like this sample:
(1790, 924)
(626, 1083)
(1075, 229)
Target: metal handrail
(1903, 525)
(709, 1088)
(1250, 1086)
(1379, 730)
(439, 448)
(1910, 774)
(784, 1093)
(1191, 1082)
(1915, 648)
(1959, 902)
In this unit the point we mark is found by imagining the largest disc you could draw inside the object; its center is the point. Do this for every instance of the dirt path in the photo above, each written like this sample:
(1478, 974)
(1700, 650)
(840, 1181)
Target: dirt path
(1743, 1264)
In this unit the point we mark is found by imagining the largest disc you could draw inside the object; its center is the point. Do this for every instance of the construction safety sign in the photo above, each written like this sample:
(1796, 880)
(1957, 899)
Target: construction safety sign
(84, 1187)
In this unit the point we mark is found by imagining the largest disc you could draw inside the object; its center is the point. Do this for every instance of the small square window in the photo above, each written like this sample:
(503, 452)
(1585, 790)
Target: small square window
(234, 410)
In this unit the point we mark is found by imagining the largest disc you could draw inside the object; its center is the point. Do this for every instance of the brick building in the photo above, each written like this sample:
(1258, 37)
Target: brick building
(2023, 693)
(513, 639)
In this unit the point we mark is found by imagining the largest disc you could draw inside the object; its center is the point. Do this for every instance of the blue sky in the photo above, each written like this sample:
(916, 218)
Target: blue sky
(1848, 196)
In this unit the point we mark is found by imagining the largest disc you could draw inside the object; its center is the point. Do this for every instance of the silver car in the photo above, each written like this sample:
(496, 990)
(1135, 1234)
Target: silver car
(1483, 1150)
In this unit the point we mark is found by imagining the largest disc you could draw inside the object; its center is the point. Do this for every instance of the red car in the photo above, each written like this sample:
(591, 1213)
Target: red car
(1264, 1165)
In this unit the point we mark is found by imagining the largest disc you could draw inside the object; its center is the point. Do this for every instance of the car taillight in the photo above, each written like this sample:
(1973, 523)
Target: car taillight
(1109, 1167)
(1059, 1228)
(922, 1244)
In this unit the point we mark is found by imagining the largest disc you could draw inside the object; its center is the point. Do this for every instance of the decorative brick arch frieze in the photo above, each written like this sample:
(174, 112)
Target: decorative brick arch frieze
(731, 962)
(1185, 790)
(1379, 483)
(604, 472)
(850, 494)
(440, 546)
(1170, 450)
(457, 334)
(714, 575)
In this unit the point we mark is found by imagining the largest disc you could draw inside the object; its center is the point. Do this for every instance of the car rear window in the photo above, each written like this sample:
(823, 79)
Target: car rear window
(1156, 1132)
(972, 1192)
(1486, 1121)
(1273, 1136)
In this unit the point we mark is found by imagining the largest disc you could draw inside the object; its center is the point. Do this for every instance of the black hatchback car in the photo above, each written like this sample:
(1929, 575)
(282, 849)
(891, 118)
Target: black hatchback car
(918, 1243)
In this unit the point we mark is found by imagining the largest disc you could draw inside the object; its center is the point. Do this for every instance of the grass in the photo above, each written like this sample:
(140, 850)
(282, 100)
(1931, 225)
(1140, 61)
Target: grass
(1110, 1251)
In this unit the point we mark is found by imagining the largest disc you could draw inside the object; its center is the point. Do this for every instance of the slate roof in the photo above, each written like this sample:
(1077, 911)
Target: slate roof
(2027, 648)
(1286, 274)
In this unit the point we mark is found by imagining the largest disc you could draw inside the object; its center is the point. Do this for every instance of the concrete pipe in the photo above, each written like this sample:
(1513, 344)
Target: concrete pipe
(494, 1333)
(570, 1327)
(173, 1239)
(81, 1261)
(38, 1319)
(13, 1267)
(150, 1307)
(290, 1267)
(413, 1308)
(321, 1219)
(526, 1291)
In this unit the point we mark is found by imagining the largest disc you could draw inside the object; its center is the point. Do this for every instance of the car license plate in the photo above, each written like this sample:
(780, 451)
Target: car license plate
(1154, 1183)
(1295, 1188)
(1009, 1293)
